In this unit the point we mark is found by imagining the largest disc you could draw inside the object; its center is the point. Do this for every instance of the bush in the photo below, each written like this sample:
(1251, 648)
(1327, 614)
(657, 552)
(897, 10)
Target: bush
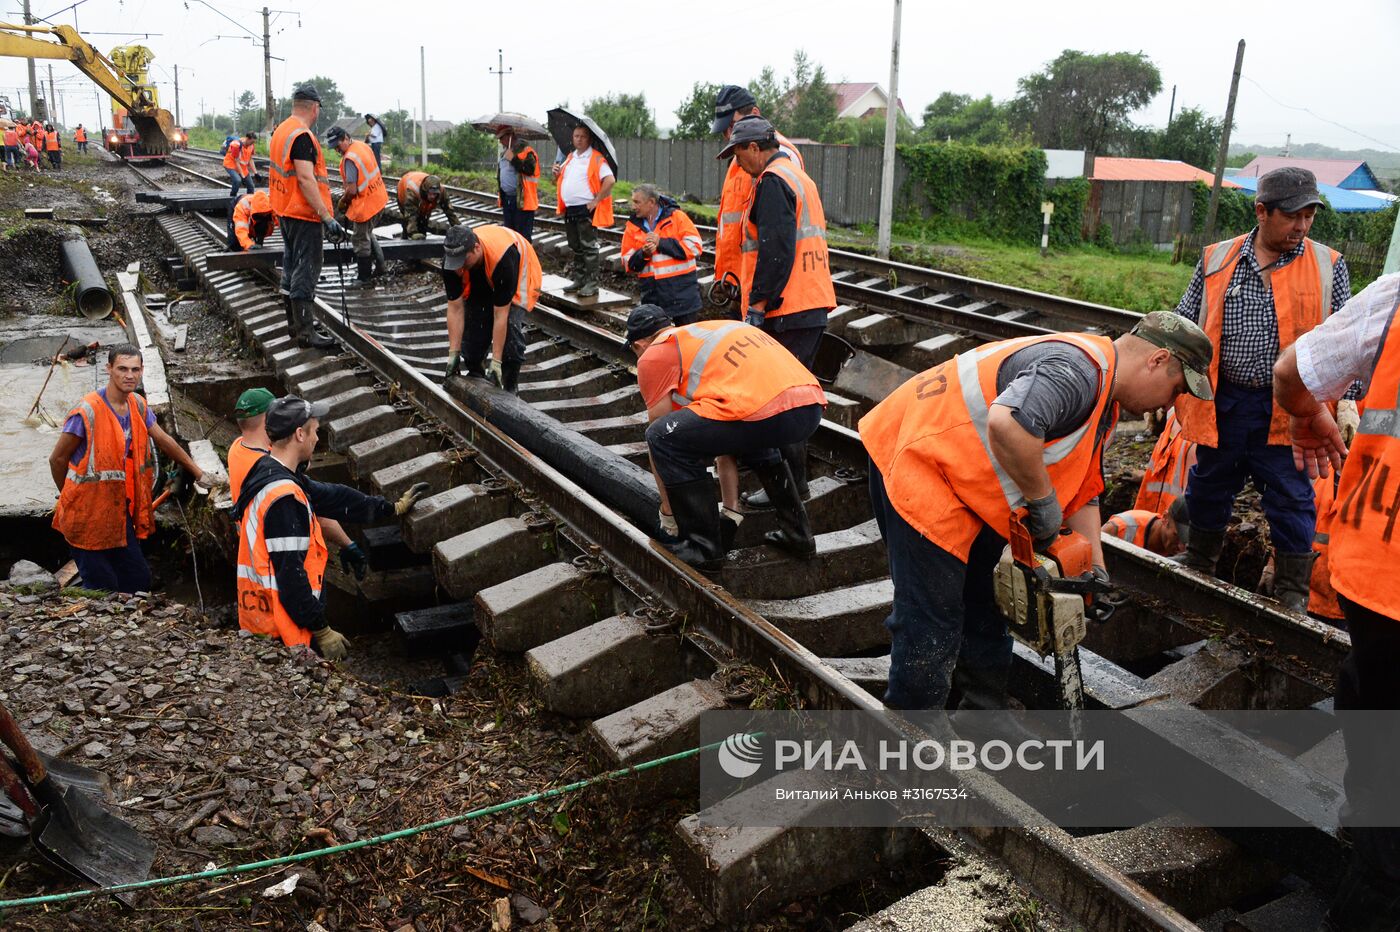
(1067, 222)
(1233, 216)
(995, 190)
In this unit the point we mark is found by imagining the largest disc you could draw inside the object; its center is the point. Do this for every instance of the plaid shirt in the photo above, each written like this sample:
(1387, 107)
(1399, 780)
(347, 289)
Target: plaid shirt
(1249, 327)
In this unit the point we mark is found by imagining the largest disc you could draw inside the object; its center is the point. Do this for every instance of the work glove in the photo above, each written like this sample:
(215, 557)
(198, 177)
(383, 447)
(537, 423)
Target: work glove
(408, 499)
(668, 524)
(454, 364)
(495, 375)
(206, 484)
(1348, 420)
(419, 236)
(1044, 520)
(334, 231)
(754, 318)
(353, 560)
(331, 643)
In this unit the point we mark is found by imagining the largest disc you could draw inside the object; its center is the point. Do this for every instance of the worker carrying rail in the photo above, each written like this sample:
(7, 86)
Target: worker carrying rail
(251, 221)
(419, 195)
(955, 450)
(282, 553)
(492, 277)
(1359, 344)
(362, 197)
(660, 246)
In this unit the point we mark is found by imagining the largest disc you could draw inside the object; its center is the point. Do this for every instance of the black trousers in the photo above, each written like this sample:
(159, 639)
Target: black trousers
(513, 218)
(476, 337)
(683, 444)
(301, 257)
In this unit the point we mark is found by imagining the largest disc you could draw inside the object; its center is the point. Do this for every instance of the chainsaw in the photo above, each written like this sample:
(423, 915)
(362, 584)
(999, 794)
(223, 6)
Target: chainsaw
(1048, 596)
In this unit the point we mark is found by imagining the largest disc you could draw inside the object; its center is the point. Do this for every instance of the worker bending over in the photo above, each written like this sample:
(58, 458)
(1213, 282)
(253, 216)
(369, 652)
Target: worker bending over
(419, 195)
(362, 197)
(251, 222)
(956, 449)
(584, 181)
(1151, 530)
(517, 183)
(281, 551)
(492, 279)
(660, 246)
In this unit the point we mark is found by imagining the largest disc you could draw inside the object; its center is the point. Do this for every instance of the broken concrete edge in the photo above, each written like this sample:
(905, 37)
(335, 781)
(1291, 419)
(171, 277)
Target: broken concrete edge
(153, 380)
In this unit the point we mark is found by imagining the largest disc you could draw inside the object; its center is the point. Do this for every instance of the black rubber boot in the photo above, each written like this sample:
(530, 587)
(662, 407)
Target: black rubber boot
(794, 533)
(795, 455)
(510, 377)
(1293, 579)
(1203, 551)
(290, 309)
(309, 336)
(364, 270)
(380, 266)
(693, 505)
(728, 530)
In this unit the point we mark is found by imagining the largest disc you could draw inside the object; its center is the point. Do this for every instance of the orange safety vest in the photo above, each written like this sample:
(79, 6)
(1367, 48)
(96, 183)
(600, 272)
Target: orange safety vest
(495, 240)
(730, 370)
(809, 285)
(370, 197)
(108, 485)
(23, 130)
(603, 213)
(11, 136)
(249, 204)
(1363, 549)
(1302, 300)
(676, 225)
(1131, 526)
(231, 155)
(1322, 598)
(38, 137)
(287, 199)
(528, 197)
(241, 458)
(246, 151)
(930, 441)
(52, 143)
(413, 182)
(259, 606)
(80, 135)
(1165, 479)
(734, 200)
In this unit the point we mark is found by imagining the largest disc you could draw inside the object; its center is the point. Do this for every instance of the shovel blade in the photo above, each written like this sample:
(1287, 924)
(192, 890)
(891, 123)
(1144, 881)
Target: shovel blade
(87, 840)
(155, 128)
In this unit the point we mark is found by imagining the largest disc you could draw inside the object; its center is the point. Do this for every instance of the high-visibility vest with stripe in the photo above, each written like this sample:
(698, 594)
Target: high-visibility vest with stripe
(675, 225)
(36, 136)
(412, 183)
(809, 284)
(1131, 526)
(1302, 300)
(1364, 547)
(495, 240)
(108, 485)
(734, 200)
(528, 195)
(241, 458)
(729, 370)
(246, 151)
(259, 606)
(231, 155)
(1168, 469)
(80, 135)
(930, 441)
(370, 197)
(603, 213)
(248, 205)
(11, 136)
(287, 199)
(52, 142)
(1322, 598)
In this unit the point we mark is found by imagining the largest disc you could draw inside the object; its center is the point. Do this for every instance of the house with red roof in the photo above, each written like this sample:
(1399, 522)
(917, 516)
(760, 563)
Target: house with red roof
(1340, 173)
(861, 99)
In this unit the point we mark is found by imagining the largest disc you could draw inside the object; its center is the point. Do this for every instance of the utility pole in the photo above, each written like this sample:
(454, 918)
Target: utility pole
(1224, 144)
(177, 96)
(423, 89)
(267, 72)
(1287, 145)
(52, 97)
(33, 82)
(1171, 111)
(891, 124)
(500, 72)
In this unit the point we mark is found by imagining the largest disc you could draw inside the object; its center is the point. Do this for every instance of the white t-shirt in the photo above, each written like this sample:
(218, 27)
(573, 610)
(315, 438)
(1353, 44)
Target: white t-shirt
(573, 184)
(376, 132)
(1344, 347)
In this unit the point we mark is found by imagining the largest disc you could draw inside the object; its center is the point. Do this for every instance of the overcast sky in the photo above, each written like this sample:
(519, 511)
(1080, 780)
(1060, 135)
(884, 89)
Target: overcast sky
(1337, 62)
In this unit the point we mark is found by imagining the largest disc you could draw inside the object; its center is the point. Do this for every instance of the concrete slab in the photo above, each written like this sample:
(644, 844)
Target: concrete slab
(546, 603)
(442, 629)
(844, 557)
(836, 623)
(870, 378)
(208, 460)
(373, 454)
(878, 330)
(437, 468)
(344, 432)
(452, 512)
(553, 285)
(1299, 911)
(484, 556)
(325, 387)
(666, 723)
(351, 401)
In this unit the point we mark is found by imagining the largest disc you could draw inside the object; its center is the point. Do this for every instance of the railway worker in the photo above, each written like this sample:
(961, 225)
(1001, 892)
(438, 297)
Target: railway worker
(584, 181)
(785, 281)
(12, 151)
(953, 451)
(251, 222)
(80, 138)
(713, 389)
(1150, 530)
(1255, 295)
(239, 166)
(660, 246)
(36, 135)
(733, 103)
(281, 550)
(105, 473)
(1164, 481)
(492, 278)
(517, 183)
(1322, 597)
(419, 195)
(53, 145)
(252, 445)
(1359, 343)
(375, 139)
(362, 197)
(301, 197)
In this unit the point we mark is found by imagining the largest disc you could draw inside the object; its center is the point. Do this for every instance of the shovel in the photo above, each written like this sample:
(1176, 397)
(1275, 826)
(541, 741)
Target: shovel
(69, 828)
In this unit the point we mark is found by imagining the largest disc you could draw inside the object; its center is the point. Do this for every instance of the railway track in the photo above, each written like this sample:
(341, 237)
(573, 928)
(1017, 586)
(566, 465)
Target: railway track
(552, 567)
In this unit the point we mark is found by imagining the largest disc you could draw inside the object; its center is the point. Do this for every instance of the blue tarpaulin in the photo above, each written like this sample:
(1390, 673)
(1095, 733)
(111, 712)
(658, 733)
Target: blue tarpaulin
(1342, 200)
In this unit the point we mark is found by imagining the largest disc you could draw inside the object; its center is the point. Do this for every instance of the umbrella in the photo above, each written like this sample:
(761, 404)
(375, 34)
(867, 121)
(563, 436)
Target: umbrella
(518, 123)
(561, 127)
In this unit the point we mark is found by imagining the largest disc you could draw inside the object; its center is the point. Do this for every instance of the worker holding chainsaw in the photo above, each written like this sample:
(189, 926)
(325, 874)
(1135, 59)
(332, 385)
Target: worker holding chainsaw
(1012, 431)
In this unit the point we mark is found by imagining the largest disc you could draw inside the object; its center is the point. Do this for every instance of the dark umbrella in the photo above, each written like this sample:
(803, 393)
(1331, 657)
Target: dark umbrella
(517, 123)
(561, 127)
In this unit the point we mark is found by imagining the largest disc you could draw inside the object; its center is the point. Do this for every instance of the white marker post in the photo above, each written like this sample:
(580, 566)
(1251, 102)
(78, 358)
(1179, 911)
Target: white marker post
(1046, 209)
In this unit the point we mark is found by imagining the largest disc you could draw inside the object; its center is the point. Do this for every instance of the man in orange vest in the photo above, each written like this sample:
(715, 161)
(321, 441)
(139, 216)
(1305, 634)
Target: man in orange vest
(281, 552)
(1151, 530)
(721, 388)
(517, 183)
(1164, 480)
(103, 468)
(957, 449)
(660, 246)
(80, 137)
(238, 164)
(584, 181)
(12, 153)
(419, 195)
(492, 278)
(54, 146)
(300, 192)
(1254, 296)
(1360, 343)
(733, 103)
(251, 222)
(785, 279)
(362, 198)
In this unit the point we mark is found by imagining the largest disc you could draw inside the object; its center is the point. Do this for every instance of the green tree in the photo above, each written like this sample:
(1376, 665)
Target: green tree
(333, 103)
(1082, 101)
(1193, 137)
(622, 116)
(768, 93)
(696, 114)
(868, 131)
(465, 148)
(811, 102)
(961, 118)
(250, 115)
(1241, 160)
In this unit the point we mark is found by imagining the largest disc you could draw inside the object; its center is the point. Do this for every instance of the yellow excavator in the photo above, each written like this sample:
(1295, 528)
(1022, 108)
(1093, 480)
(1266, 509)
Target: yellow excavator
(141, 129)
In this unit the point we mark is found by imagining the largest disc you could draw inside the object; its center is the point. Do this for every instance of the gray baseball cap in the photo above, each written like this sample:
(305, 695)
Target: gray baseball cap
(1187, 342)
(749, 129)
(286, 414)
(459, 241)
(644, 321)
(1289, 189)
(306, 91)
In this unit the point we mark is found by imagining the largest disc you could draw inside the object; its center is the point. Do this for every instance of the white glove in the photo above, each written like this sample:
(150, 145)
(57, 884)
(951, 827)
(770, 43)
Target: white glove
(1348, 420)
(669, 525)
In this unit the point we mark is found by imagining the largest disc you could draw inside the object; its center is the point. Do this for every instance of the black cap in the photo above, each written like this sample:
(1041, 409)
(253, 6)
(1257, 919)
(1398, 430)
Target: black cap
(645, 320)
(306, 91)
(1289, 189)
(731, 97)
(336, 134)
(749, 129)
(459, 241)
(370, 116)
(285, 415)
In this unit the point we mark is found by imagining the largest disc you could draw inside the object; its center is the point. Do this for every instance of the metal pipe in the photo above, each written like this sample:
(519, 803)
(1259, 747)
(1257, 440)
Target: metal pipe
(92, 297)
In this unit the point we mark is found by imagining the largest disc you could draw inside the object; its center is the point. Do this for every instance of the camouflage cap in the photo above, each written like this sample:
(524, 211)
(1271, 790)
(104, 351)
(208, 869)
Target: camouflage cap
(1184, 340)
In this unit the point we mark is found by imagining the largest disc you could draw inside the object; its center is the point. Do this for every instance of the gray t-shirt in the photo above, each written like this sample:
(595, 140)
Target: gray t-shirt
(509, 177)
(1050, 387)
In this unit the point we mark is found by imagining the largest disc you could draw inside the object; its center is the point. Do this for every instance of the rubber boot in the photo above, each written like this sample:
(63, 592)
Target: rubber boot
(380, 266)
(795, 455)
(794, 533)
(510, 377)
(309, 336)
(728, 527)
(1293, 579)
(588, 281)
(1203, 551)
(364, 271)
(693, 505)
(291, 312)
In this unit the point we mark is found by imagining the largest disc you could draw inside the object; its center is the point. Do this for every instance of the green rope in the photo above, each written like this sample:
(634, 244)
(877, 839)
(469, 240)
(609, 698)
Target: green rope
(362, 843)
